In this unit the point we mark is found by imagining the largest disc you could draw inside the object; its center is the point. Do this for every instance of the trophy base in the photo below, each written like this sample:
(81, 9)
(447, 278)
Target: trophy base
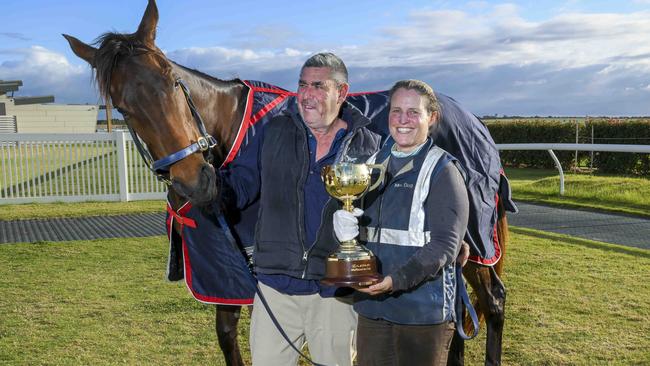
(355, 269)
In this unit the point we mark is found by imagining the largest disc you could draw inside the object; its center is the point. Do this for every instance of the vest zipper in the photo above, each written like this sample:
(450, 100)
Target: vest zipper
(304, 260)
(300, 193)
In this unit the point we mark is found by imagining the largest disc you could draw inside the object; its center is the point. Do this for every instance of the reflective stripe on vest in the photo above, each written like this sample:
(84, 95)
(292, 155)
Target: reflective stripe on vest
(415, 236)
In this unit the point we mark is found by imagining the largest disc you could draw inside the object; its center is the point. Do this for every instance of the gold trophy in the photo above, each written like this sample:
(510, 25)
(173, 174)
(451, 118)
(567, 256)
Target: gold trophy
(352, 265)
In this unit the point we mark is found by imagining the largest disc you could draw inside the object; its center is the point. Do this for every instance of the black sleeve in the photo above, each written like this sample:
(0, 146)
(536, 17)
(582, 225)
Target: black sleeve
(447, 210)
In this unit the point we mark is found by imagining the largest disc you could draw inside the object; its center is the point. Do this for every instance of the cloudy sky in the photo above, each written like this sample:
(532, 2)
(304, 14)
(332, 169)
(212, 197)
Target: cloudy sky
(529, 58)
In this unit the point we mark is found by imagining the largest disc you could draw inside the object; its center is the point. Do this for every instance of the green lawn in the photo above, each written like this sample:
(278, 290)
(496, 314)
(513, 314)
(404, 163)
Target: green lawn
(601, 192)
(60, 209)
(105, 302)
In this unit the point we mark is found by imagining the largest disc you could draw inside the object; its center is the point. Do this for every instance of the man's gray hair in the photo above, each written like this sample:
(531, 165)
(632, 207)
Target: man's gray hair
(338, 71)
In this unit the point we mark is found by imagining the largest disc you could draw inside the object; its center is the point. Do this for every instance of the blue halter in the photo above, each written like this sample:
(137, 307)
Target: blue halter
(205, 143)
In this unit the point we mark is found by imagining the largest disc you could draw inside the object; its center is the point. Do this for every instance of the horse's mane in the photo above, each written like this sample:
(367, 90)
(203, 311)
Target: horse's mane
(203, 75)
(112, 47)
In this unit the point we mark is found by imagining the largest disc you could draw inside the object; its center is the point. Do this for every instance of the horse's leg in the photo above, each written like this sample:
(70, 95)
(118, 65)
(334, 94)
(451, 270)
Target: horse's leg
(227, 317)
(491, 296)
(489, 303)
(495, 319)
(496, 294)
(456, 355)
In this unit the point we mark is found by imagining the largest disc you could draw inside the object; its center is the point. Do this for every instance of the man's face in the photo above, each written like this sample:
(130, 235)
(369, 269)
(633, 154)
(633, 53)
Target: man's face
(319, 97)
(409, 119)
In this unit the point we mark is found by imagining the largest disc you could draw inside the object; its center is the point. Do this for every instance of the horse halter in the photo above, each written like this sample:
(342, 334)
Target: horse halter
(160, 167)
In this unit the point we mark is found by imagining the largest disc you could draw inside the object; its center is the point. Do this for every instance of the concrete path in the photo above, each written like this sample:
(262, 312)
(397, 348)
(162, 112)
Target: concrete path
(609, 228)
(82, 228)
(605, 227)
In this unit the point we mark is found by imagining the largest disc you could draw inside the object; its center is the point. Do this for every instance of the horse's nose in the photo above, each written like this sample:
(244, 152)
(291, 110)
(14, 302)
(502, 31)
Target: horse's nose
(203, 191)
(206, 189)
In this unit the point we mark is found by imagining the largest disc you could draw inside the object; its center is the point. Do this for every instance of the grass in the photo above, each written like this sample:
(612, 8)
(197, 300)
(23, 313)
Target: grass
(101, 302)
(61, 209)
(601, 192)
(105, 302)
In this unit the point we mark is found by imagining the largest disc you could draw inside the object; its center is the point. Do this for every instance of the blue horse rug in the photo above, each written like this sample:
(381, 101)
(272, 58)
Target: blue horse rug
(213, 253)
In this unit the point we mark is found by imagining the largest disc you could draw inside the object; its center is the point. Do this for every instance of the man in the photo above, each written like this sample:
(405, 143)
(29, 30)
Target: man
(295, 212)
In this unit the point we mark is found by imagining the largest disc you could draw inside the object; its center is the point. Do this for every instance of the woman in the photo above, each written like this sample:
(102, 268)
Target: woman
(414, 223)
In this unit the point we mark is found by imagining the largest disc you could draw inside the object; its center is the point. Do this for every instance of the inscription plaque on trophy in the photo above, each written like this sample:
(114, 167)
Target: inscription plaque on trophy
(352, 265)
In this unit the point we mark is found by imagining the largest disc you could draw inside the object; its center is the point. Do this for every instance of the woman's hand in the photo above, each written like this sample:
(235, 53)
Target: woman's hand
(386, 285)
(463, 256)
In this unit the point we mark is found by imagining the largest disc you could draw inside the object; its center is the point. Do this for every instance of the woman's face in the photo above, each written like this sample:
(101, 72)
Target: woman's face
(409, 120)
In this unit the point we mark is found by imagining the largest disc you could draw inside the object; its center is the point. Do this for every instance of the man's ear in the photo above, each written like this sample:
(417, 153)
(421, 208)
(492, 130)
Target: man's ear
(343, 92)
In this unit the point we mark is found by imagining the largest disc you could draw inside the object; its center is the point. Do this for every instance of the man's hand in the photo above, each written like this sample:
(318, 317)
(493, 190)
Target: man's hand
(346, 224)
(386, 285)
(463, 255)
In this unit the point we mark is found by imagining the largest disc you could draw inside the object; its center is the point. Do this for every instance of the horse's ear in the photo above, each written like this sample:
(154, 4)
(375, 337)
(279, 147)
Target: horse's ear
(81, 49)
(147, 29)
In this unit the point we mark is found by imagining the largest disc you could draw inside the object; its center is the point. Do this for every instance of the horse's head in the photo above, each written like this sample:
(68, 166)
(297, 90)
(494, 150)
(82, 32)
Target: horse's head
(139, 80)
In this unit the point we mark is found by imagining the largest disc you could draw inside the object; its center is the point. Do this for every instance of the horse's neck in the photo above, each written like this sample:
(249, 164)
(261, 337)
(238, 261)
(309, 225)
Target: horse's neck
(221, 105)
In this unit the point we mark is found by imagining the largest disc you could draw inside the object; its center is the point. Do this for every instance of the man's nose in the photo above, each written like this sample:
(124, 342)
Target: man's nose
(309, 92)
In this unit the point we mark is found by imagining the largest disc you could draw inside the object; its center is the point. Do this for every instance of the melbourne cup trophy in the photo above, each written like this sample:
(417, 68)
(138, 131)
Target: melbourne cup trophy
(352, 265)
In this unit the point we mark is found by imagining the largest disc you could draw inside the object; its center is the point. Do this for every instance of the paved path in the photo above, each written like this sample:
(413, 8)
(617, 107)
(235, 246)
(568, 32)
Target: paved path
(605, 227)
(610, 228)
(82, 228)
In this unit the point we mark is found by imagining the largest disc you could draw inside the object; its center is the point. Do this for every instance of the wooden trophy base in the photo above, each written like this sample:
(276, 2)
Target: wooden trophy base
(356, 270)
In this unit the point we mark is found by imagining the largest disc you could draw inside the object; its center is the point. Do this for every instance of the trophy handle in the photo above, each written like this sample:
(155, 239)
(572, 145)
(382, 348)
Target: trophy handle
(382, 173)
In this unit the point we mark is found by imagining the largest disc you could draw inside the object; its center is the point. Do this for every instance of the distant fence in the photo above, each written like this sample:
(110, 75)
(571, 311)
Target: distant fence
(74, 167)
(574, 147)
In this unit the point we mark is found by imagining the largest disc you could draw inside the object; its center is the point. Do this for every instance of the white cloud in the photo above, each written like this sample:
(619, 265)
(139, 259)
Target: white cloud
(572, 63)
(219, 60)
(45, 72)
(501, 37)
(530, 82)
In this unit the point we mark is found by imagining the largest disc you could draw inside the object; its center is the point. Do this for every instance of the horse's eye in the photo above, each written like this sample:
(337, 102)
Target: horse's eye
(177, 83)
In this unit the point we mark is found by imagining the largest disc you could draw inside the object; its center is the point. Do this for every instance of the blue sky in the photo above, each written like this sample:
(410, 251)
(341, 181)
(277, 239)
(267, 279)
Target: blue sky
(516, 58)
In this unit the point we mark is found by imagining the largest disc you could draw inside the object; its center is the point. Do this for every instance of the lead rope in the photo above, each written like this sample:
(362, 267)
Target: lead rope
(462, 299)
(231, 239)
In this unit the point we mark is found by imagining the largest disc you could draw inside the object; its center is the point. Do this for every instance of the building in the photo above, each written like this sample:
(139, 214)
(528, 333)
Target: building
(41, 115)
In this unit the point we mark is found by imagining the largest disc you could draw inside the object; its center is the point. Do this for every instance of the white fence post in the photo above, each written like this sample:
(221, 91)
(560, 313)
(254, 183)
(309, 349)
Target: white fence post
(644, 149)
(122, 167)
(559, 169)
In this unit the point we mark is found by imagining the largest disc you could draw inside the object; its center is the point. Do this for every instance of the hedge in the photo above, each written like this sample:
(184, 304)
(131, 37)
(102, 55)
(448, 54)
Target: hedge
(605, 131)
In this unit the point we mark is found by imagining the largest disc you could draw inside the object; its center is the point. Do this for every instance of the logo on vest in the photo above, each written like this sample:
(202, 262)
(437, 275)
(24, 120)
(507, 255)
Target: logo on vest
(404, 185)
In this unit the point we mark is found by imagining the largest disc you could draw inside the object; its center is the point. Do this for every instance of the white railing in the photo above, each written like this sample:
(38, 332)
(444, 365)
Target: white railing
(72, 168)
(107, 167)
(574, 147)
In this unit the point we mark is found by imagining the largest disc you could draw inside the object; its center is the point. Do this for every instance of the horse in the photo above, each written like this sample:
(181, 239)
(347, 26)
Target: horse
(189, 122)
(135, 76)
